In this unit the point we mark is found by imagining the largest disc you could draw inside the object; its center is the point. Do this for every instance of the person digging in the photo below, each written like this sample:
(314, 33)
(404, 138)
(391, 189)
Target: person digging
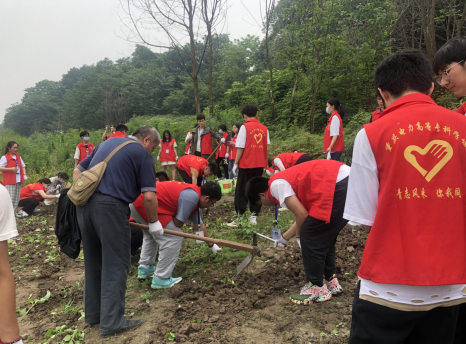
(177, 203)
(194, 169)
(315, 192)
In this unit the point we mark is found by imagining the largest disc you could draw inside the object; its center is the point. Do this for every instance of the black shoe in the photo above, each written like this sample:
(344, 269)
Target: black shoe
(130, 324)
(91, 325)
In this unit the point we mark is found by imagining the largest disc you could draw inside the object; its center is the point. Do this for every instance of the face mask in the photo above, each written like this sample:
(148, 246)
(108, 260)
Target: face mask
(220, 131)
(327, 111)
(61, 181)
(86, 138)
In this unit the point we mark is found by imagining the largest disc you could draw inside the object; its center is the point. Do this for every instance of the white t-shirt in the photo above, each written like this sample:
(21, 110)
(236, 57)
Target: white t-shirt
(335, 126)
(361, 206)
(281, 189)
(241, 140)
(7, 216)
(3, 163)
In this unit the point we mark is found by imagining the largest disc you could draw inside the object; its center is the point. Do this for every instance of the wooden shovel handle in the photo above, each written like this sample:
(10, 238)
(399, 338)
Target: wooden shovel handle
(219, 242)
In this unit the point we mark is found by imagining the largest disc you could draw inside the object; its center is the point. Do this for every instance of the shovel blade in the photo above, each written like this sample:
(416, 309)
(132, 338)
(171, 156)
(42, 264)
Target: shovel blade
(247, 260)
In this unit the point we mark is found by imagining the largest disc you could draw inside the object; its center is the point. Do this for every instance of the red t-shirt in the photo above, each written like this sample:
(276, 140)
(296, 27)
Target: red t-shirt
(185, 162)
(30, 191)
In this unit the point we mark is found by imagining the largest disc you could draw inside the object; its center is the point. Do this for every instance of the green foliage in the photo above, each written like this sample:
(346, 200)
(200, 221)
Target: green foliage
(34, 302)
(170, 336)
(71, 335)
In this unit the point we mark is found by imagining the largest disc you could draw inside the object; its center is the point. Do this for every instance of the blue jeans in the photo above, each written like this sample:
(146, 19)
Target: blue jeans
(231, 163)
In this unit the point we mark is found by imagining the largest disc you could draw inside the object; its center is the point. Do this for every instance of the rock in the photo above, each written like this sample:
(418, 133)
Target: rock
(288, 336)
(196, 327)
(186, 329)
(350, 248)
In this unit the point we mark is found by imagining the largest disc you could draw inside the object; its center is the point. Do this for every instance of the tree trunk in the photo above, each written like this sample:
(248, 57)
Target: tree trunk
(461, 23)
(211, 67)
(293, 93)
(313, 106)
(197, 98)
(269, 6)
(428, 27)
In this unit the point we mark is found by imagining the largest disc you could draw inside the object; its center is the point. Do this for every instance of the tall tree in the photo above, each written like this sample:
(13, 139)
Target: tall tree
(177, 21)
(266, 24)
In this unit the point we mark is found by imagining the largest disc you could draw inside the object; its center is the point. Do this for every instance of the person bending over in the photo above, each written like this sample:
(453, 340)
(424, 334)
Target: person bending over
(193, 169)
(286, 160)
(177, 203)
(315, 192)
(31, 195)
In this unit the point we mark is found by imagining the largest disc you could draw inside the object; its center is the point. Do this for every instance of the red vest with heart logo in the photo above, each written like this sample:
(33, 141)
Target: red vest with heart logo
(255, 149)
(313, 182)
(185, 162)
(339, 145)
(168, 194)
(418, 237)
(170, 156)
(288, 159)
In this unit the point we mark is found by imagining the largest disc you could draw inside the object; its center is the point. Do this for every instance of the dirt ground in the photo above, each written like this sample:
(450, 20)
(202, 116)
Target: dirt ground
(210, 305)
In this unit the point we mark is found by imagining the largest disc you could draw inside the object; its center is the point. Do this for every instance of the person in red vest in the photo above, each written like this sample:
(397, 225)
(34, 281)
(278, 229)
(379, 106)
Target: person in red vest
(167, 154)
(120, 131)
(222, 152)
(177, 203)
(83, 149)
(334, 143)
(31, 195)
(232, 149)
(188, 142)
(377, 113)
(9, 329)
(201, 138)
(251, 159)
(407, 179)
(315, 192)
(286, 160)
(193, 169)
(13, 171)
(450, 66)
(112, 130)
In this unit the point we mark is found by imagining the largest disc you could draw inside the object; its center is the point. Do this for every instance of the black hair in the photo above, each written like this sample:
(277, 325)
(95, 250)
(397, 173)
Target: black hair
(45, 181)
(223, 127)
(405, 71)
(9, 145)
(237, 125)
(169, 136)
(335, 102)
(199, 117)
(213, 168)
(162, 175)
(255, 186)
(377, 94)
(269, 162)
(122, 128)
(63, 175)
(212, 190)
(452, 51)
(83, 133)
(249, 110)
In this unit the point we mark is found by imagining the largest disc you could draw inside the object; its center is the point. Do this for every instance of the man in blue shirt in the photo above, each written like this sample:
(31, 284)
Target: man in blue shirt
(104, 225)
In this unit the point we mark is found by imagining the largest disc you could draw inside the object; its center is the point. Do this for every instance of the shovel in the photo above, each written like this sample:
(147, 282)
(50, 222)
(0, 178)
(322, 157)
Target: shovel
(276, 232)
(253, 250)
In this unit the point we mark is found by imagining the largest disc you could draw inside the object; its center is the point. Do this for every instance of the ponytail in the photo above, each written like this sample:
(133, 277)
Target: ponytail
(338, 107)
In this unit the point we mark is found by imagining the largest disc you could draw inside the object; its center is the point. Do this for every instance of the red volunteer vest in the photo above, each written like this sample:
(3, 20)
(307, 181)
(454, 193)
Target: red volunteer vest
(185, 162)
(313, 182)
(206, 144)
(9, 178)
(339, 145)
(255, 149)
(461, 109)
(288, 159)
(376, 115)
(171, 156)
(168, 194)
(186, 151)
(117, 134)
(222, 150)
(82, 150)
(418, 237)
(26, 192)
(233, 149)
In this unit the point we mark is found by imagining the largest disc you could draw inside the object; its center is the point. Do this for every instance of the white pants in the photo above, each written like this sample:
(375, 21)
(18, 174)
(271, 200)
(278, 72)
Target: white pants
(167, 245)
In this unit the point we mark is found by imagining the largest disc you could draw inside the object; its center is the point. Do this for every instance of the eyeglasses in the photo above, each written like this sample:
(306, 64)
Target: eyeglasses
(445, 74)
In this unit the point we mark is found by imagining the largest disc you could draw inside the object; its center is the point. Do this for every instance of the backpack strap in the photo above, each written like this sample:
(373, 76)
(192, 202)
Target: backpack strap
(107, 159)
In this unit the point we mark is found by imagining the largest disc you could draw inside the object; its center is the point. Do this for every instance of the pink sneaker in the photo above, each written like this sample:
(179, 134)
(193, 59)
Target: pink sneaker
(333, 286)
(312, 295)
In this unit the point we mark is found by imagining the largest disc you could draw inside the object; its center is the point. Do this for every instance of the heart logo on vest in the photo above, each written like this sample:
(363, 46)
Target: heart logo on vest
(437, 149)
(258, 137)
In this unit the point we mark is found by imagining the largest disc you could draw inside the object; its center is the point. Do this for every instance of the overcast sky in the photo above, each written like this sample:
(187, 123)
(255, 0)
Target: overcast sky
(43, 39)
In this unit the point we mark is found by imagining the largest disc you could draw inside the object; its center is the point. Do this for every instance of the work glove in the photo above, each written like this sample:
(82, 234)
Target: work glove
(226, 155)
(155, 228)
(158, 157)
(176, 158)
(281, 243)
(57, 196)
(225, 161)
(268, 172)
(25, 177)
(214, 248)
(222, 140)
(190, 136)
(299, 242)
(235, 167)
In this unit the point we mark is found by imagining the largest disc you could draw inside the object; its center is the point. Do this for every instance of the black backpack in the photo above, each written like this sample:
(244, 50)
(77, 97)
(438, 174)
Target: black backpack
(66, 226)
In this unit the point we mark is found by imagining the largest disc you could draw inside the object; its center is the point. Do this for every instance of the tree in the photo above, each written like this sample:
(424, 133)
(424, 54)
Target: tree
(176, 20)
(266, 24)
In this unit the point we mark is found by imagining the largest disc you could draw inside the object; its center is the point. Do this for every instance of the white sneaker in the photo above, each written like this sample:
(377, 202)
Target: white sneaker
(253, 219)
(232, 224)
(21, 213)
(282, 209)
(352, 223)
(36, 210)
(215, 248)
